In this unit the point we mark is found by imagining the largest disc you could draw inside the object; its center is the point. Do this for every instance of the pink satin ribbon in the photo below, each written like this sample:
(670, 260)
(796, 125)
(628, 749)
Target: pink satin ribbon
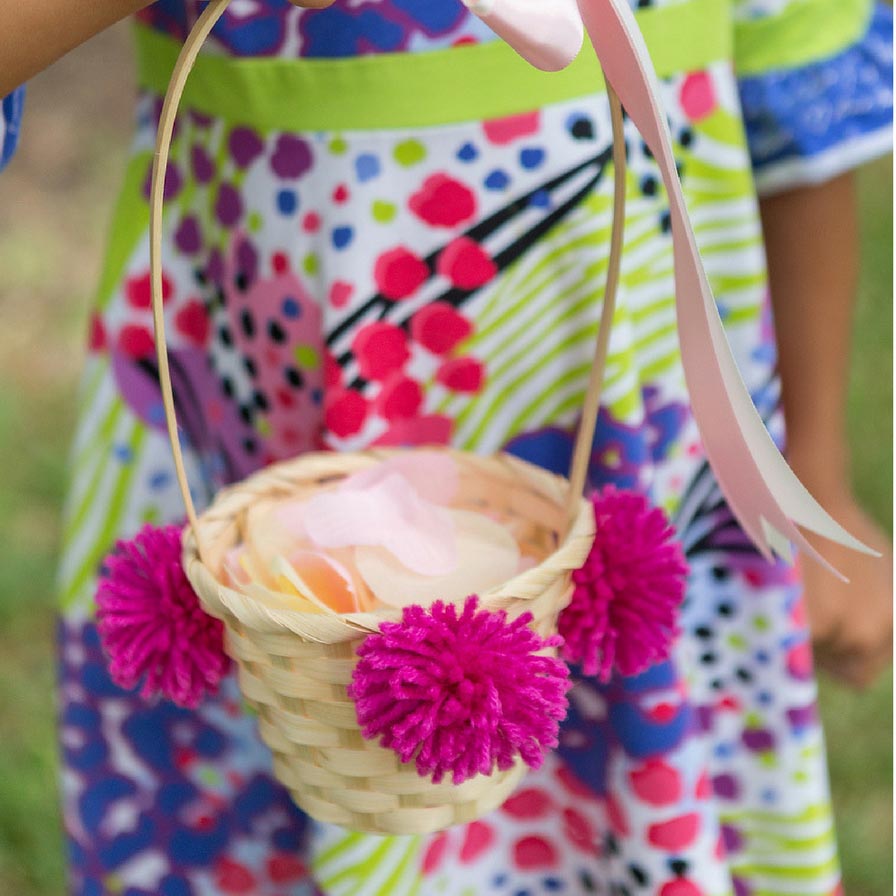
(546, 33)
(763, 492)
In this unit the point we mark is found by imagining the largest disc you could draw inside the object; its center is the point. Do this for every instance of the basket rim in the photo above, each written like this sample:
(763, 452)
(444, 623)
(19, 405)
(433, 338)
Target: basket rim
(221, 600)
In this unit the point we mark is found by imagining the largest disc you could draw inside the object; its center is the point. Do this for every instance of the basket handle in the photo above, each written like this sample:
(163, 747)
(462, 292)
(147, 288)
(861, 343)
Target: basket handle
(591, 408)
(185, 61)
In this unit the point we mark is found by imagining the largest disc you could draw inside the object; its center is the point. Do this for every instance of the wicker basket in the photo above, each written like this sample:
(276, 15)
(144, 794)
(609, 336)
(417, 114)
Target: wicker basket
(294, 668)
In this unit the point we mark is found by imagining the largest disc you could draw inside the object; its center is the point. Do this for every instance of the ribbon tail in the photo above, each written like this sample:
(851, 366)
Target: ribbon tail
(762, 491)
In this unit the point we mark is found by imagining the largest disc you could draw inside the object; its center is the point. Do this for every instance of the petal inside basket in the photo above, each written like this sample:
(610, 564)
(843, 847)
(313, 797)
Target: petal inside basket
(487, 555)
(433, 475)
(389, 514)
(319, 579)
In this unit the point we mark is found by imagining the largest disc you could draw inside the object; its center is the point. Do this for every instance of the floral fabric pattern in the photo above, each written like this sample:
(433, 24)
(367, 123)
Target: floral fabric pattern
(276, 27)
(11, 109)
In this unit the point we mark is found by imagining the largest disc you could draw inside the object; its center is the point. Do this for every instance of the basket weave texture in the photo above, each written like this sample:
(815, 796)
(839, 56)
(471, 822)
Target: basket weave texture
(294, 668)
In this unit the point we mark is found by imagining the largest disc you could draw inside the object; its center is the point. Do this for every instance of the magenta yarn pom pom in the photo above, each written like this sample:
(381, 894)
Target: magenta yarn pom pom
(462, 692)
(624, 608)
(151, 624)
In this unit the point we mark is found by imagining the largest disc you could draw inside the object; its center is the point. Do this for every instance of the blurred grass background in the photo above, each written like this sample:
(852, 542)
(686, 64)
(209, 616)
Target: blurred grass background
(55, 200)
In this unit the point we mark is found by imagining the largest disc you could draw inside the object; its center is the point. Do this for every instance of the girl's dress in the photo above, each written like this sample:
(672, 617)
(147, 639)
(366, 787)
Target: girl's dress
(383, 228)
(10, 120)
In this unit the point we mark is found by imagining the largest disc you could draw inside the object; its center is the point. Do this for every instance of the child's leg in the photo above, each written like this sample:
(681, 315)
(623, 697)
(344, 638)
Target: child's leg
(812, 245)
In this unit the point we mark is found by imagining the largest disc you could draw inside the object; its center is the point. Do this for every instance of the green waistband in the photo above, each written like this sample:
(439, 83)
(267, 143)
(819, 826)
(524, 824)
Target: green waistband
(413, 90)
(805, 31)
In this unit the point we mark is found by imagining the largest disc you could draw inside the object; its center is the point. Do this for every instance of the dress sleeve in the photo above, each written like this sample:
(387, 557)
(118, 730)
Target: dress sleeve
(10, 119)
(816, 86)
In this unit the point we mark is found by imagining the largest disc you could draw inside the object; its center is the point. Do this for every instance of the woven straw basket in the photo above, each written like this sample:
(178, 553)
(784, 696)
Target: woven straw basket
(294, 668)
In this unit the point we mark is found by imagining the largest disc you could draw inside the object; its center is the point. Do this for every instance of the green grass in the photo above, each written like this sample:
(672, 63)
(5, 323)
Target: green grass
(30, 846)
(36, 418)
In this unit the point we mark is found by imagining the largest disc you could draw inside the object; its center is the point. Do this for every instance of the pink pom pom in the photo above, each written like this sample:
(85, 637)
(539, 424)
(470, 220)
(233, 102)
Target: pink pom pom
(623, 612)
(463, 693)
(151, 623)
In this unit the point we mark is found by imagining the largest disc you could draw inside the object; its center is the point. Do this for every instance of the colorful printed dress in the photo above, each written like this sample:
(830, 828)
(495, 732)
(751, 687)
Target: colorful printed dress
(383, 228)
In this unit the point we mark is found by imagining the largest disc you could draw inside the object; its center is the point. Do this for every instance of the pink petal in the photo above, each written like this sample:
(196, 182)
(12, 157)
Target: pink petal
(433, 474)
(389, 514)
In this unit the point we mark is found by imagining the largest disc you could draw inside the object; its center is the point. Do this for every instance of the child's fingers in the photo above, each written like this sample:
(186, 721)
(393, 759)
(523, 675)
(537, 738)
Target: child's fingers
(855, 659)
(858, 671)
(852, 625)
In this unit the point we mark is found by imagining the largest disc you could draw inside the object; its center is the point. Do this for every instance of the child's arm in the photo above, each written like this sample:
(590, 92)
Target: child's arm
(812, 246)
(35, 33)
(813, 254)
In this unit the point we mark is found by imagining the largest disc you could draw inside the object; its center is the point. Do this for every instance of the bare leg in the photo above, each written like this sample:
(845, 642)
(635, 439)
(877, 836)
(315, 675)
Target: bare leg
(813, 255)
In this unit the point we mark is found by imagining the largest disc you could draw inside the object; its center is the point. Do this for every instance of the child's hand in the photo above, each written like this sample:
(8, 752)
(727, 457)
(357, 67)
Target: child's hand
(852, 625)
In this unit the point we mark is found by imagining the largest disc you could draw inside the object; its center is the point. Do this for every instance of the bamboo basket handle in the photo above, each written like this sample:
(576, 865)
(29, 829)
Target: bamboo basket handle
(173, 95)
(185, 60)
(591, 408)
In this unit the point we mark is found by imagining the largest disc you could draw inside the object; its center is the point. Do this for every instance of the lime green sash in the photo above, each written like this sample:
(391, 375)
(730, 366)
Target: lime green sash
(414, 90)
(469, 83)
(805, 31)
